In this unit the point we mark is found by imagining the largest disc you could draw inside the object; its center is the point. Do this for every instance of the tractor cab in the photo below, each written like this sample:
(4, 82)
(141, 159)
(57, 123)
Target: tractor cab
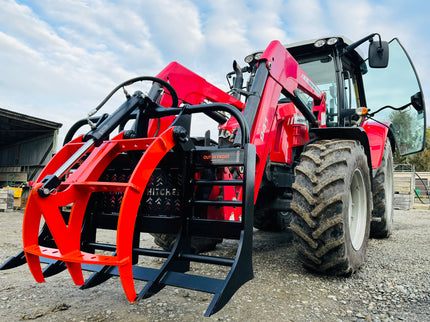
(384, 82)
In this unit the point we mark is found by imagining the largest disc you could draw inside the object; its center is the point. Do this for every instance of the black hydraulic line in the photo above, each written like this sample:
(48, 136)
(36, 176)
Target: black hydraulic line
(203, 108)
(94, 137)
(217, 117)
(418, 195)
(75, 127)
(175, 100)
(51, 182)
(113, 120)
(304, 109)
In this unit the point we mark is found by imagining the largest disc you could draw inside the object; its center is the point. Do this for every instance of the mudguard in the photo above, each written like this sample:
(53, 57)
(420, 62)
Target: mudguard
(372, 136)
(377, 134)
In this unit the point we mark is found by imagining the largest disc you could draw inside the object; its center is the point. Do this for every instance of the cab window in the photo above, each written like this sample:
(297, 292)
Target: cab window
(321, 70)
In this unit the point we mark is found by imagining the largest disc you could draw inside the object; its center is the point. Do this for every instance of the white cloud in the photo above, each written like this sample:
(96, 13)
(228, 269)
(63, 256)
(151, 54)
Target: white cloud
(225, 29)
(19, 21)
(176, 28)
(58, 59)
(306, 19)
(102, 27)
(266, 23)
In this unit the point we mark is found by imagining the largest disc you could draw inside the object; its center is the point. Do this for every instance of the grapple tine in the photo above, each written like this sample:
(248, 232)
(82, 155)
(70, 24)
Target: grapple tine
(33, 262)
(98, 277)
(54, 268)
(76, 273)
(242, 270)
(14, 261)
(154, 285)
(127, 281)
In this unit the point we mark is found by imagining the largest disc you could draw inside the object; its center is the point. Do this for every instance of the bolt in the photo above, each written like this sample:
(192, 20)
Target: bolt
(180, 134)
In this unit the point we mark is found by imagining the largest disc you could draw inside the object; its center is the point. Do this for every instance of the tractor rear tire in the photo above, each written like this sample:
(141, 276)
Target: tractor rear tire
(383, 194)
(332, 205)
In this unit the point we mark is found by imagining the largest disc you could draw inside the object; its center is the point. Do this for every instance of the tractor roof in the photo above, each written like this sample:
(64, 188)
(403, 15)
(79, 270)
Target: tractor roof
(342, 41)
(307, 47)
(345, 40)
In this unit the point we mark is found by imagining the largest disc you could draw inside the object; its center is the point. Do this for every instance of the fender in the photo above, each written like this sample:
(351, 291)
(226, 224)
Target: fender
(377, 134)
(371, 135)
(348, 133)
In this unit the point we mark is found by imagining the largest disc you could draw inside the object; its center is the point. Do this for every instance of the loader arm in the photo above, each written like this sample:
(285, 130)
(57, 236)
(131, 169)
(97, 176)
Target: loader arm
(277, 72)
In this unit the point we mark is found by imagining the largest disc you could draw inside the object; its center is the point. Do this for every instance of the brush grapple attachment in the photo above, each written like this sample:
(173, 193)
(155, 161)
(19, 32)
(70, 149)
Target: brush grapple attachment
(153, 179)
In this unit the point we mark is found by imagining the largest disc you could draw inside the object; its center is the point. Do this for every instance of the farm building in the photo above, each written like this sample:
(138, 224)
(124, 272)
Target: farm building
(27, 143)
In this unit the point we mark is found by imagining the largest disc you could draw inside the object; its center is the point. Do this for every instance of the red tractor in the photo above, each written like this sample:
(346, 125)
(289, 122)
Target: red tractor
(305, 144)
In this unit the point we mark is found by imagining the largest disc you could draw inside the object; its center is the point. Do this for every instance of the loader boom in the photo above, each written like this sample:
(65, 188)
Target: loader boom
(277, 73)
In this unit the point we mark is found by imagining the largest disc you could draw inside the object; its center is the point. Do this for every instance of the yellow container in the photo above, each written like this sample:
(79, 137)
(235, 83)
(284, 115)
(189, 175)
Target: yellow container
(17, 191)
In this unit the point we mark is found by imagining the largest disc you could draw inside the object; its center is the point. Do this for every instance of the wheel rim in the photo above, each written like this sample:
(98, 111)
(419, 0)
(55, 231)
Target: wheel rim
(357, 209)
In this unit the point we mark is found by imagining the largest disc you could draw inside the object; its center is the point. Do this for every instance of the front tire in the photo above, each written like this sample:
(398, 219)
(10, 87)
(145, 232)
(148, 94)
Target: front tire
(332, 206)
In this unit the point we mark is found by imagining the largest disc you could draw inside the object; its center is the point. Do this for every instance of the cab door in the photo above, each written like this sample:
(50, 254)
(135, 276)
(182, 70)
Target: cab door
(396, 86)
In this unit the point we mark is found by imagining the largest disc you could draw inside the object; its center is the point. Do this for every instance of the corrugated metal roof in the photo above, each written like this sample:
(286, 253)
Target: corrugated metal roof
(16, 127)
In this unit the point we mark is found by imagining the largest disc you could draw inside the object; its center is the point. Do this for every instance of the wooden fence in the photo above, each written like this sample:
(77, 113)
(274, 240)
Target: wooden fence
(407, 184)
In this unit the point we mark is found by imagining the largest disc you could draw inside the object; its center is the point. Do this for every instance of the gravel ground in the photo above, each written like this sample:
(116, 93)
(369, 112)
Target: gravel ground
(393, 285)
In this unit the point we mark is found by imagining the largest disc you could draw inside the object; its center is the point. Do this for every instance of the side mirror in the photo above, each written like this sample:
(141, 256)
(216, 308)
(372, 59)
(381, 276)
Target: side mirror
(417, 102)
(378, 54)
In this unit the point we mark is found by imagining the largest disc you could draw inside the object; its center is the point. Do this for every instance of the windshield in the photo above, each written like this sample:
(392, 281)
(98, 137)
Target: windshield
(394, 86)
(321, 70)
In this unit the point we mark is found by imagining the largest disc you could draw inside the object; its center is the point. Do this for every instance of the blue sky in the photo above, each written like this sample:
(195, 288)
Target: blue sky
(59, 58)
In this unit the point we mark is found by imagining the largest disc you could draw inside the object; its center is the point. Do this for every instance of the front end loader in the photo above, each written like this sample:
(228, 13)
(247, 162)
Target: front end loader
(297, 152)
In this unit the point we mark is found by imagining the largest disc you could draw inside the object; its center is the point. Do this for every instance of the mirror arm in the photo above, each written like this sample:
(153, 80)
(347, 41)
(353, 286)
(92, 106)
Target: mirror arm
(389, 106)
(361, 41)
(380, 50)
(380, 40)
